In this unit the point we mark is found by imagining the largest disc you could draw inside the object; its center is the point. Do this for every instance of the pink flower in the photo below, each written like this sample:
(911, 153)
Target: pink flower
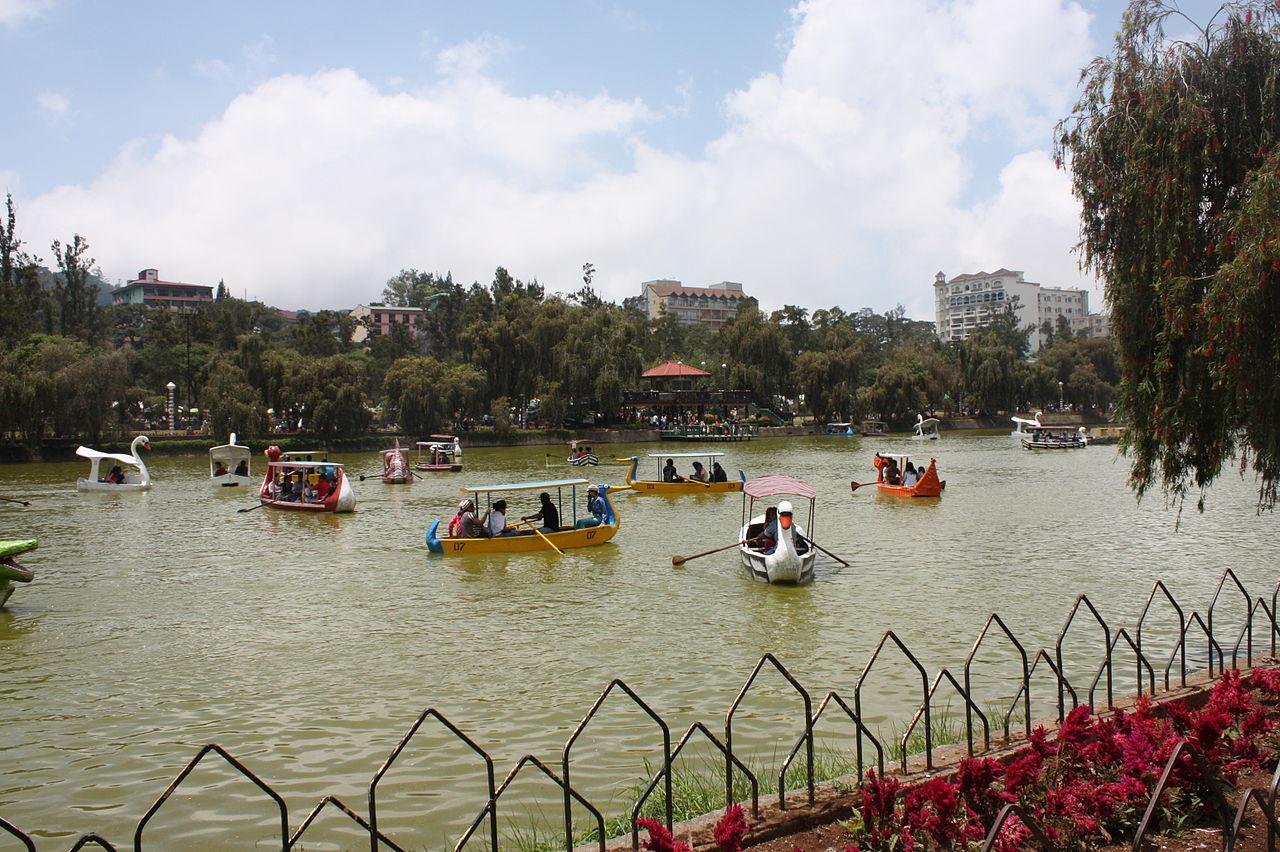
(730, 830)
(660, 840)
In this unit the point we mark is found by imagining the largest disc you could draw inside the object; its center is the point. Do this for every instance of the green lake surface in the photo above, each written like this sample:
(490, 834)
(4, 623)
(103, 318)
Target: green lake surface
(307, 645)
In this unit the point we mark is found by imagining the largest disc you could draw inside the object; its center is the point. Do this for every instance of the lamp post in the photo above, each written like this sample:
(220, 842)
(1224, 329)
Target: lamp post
(1059, 396)
(173, 414)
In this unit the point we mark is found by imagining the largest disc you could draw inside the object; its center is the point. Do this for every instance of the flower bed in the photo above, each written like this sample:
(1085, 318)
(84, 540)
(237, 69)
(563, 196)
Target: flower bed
(1086, 788)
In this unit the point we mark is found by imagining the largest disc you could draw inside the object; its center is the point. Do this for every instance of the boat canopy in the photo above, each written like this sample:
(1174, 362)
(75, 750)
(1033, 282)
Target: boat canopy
(293, 453)
(839, 425)
(926, 421)
(684, 455)
(526, 486)
(296, 464)
(770, 486)
(444, 437)
(86, 453)
(1056, 428)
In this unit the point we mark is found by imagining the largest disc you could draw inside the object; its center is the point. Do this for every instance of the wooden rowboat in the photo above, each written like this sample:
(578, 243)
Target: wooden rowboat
(790, 561)
(583, 533)
(684, 486)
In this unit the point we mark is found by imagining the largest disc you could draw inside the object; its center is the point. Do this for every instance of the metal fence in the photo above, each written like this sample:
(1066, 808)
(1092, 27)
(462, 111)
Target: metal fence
(1192, 627)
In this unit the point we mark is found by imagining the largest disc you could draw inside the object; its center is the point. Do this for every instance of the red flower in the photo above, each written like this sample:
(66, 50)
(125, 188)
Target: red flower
(660, 840)
(730, 830)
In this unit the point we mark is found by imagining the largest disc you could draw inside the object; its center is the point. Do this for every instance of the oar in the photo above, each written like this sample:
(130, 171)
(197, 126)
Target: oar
(680, 560)
(251, 508)
(11, 500)
(822, 549)
(854, 486)
(550, 543)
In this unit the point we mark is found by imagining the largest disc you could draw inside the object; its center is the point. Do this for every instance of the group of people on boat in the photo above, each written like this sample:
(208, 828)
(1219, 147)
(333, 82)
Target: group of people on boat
(469, 523)
(115, 477)
(581, 452)
(220, 469)
(766, 541)
(700, 473)
(895, 476)
(299, 486)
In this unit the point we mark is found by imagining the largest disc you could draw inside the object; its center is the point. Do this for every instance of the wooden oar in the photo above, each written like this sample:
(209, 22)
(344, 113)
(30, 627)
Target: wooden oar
(822, 549)
(251, 508)
(540, 534)
(680, 560)
(854, 486)
(11, 500)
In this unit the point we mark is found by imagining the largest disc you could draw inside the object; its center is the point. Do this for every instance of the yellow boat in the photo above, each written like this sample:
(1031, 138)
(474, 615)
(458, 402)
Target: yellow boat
(683, 486)
(583, 533)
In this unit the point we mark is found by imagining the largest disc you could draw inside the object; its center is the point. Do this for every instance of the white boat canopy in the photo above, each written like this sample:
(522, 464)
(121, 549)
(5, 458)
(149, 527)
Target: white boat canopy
(87, 453)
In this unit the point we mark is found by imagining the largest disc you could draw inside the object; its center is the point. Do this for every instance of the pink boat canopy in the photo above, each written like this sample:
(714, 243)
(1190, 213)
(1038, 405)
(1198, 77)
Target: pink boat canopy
(770, 486)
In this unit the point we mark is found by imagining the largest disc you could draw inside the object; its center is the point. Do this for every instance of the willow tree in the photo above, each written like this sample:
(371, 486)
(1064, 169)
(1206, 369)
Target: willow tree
(1171, 150)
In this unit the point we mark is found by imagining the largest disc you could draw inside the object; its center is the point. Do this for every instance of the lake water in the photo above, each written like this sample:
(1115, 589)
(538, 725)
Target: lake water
(307, 645)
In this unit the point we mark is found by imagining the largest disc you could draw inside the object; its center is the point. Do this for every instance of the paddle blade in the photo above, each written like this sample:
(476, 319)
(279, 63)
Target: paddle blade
(677, 561)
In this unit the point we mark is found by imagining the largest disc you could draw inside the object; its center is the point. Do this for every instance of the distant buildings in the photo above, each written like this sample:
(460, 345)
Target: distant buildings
(710, 306)
(148, 289)
(377, 320)
(969, 302)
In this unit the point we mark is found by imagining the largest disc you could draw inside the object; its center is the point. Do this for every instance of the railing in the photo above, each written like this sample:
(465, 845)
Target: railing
(1258, 615)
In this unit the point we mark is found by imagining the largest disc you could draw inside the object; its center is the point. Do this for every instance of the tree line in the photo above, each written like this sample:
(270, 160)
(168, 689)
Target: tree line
(69, 367)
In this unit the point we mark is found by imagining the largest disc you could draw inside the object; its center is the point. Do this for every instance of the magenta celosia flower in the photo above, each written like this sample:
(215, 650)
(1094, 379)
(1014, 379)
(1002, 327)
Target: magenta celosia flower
(660, 840)
(730, 830)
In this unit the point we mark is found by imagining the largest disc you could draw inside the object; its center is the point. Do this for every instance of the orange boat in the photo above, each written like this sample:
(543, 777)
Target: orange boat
(928, 485)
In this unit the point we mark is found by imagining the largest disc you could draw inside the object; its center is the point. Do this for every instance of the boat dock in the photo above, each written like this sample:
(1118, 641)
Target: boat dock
(711, 434)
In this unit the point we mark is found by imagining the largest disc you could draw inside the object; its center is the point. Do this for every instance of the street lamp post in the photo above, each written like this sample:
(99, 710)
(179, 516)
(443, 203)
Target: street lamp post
(1059, 396)
(173, 415)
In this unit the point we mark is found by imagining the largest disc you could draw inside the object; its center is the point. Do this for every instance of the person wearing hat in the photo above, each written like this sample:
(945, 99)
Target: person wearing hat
(468, 526)
(496, 521)
(595, 507)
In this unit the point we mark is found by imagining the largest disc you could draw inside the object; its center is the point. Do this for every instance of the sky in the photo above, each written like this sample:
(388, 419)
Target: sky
(822, 153)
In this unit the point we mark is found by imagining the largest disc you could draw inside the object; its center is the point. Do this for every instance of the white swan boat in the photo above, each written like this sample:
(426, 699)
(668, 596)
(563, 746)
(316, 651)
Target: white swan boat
(926, 429)
(791, 559)
(1023, 427)
(234, 461)
(138, 479)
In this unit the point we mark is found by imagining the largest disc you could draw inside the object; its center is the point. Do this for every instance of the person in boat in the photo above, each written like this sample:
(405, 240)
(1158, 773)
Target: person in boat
(717, 473)
(309, 488)
(595, 508)
(242, 469)
(297, 488)
(220, 470)
(767, 538)
(465, 524)
(699, 473)
(496, 520)
(547, 513)
(892, 475)
(669, 472)
(116, 476)
(323, 489)
(910, 476)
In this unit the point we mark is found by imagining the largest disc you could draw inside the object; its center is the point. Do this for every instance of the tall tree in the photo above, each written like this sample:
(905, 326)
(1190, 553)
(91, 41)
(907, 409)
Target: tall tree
(76, 292)
(1171, 148)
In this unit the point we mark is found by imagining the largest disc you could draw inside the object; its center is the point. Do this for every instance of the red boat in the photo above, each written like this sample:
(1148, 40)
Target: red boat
(323, 484)
(395, 466)
(928, 485)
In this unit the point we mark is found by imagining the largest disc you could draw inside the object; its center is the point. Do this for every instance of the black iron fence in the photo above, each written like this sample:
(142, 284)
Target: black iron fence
(1259, 615)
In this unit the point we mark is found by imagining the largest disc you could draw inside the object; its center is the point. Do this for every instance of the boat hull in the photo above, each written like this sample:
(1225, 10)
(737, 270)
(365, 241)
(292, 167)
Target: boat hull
(230, 480)
(688, 486)
(439, 468)
(397, 480)
(1072, 444)
(342, 499)
(928, 486)
(83, 484)
(565, 539)
(782, 567)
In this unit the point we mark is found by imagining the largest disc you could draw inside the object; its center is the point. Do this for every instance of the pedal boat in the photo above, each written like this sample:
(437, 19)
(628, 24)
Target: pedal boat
(395, 466)
(10, 571)
(340, 499)
(926, 429)
(442, 455)
(928, 485)
(840, 429)
(1056, 438)
(578, 535)
(230, 454)
(786, 565)
(687, 486)
(138, 479)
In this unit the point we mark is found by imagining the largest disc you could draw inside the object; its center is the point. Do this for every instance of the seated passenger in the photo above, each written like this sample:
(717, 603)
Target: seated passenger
(242, 469)
(296, 488)
(547, 513)
(220, 470)
(669, 472)
(323, 489)
(496, 521)
(595, 507)
(309, 491)
(767, 538)
(468, 524)
(699, 473)
(891, 474)
(116, 476)
(910, 476)
(717, 473)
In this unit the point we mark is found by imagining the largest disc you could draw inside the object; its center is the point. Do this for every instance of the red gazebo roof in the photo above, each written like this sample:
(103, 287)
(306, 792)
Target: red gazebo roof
(673, 369)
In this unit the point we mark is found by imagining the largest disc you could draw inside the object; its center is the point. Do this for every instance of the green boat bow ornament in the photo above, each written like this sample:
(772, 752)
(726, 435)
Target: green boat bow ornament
(10, 571)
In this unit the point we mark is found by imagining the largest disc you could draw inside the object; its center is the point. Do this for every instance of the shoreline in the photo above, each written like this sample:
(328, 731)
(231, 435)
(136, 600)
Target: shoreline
(178, 444)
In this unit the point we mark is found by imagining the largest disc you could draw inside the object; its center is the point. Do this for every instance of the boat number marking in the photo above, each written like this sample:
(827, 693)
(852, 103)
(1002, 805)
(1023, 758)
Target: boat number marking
(458, 545)
(591, 534)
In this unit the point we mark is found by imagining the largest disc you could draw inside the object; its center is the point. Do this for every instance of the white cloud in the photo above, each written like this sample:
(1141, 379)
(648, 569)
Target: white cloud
(14, 12)
(842, 178)
(53, 104)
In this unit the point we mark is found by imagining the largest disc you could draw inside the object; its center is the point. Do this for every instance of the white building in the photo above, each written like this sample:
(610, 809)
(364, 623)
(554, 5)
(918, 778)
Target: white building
(969, 302)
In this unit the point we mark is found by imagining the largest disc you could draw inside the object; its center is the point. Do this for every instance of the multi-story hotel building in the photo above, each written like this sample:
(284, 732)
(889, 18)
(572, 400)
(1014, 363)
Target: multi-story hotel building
(376, 320)
(148, 289)
(969, 302)
(711, 306)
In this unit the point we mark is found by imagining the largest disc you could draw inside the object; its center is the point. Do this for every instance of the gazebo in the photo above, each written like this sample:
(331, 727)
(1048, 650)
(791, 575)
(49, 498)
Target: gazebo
(673, 376)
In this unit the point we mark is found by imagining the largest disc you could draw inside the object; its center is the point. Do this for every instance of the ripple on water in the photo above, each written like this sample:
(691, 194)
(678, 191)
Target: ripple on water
(308, 645)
